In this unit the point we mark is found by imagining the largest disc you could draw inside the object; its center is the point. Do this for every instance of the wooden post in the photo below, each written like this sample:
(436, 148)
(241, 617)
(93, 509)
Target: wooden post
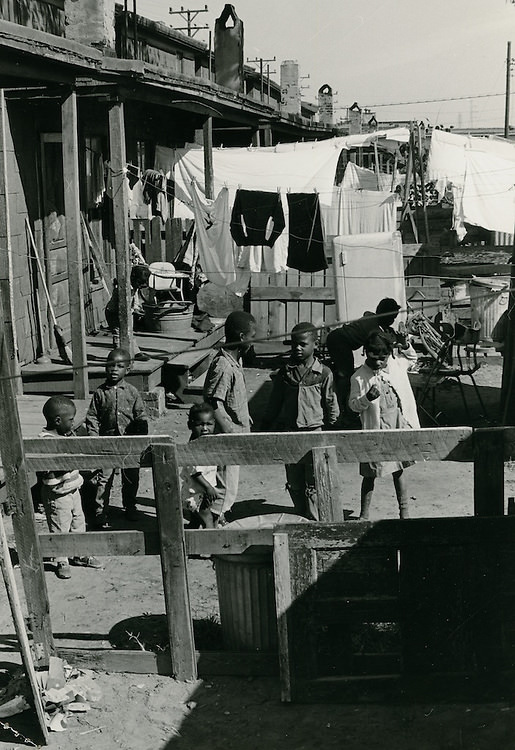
(209, 188)
(6, 255)
(267, 134)
(19, 626)
(325, 469)
(422, 183)
(256, 138)
(153, 244)
(173, 560)
(74, 244)
(488, 472)
(19, 502)
(118, 163)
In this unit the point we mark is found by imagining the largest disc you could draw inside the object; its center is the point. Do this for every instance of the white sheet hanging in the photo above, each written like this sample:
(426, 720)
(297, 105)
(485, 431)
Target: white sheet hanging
(482, 173)
(217, 252)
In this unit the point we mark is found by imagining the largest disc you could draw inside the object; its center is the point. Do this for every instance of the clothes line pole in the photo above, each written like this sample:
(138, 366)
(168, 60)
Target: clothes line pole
(209, 187)
(507, 97)
(422, 184)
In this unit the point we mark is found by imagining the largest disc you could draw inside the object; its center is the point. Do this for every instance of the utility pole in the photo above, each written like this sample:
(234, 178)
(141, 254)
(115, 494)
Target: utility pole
(509, 63)
(262, 60)
(189, 16)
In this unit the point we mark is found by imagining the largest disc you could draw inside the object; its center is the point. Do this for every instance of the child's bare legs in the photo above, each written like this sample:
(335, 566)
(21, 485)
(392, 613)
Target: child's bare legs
(367, 490)
(207, 518)
(401, 490)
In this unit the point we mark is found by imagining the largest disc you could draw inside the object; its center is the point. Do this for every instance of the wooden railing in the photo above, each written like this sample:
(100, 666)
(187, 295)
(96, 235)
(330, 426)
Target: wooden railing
(486, 449)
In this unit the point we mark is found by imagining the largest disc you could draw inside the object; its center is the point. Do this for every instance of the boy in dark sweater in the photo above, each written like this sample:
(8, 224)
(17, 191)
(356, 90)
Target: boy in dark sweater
(116, 408)
(302, 399)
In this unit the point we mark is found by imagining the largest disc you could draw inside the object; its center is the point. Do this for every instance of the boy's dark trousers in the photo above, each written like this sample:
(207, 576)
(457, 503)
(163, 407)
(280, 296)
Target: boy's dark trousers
(99, 503)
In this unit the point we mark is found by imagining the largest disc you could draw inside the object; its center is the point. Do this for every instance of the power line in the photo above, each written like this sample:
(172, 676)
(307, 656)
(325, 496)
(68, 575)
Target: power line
(427, 101)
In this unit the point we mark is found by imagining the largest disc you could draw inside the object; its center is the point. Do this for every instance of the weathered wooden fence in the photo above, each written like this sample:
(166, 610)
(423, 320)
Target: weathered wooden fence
(487, 449)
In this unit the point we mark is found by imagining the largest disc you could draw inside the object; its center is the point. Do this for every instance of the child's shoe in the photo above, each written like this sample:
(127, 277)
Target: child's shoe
(63, 570)
(87, 562)
(131, 514)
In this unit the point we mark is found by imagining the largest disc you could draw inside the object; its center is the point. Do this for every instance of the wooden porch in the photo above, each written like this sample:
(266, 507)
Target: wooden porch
(172, 360)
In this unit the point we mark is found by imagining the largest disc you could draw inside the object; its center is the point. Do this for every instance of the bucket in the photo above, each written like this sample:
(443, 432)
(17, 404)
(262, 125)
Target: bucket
(246, 590)
(488, 300)
(175, 317)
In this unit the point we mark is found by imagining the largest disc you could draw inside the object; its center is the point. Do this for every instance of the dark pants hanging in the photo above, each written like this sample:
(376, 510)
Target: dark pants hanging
(306, 242)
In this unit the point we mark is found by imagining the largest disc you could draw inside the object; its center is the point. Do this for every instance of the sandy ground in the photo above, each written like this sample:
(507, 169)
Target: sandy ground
(144, 712)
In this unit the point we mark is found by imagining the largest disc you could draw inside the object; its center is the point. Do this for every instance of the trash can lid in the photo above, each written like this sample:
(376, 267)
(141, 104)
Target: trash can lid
(265, 521)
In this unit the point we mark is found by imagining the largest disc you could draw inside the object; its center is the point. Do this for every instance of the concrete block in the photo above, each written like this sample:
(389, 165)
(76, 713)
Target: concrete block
(154, 401)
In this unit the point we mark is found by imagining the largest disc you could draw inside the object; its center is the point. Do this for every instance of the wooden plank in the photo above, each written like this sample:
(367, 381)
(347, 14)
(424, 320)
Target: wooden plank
(88, 452)
(6, 256)
(283, 601)
(167, 492)
(99, 543)
(446, 444)
(70, 145)
(470, 530)
(276, 309)
(19, 626)
(488, 472)
(294, 293)
(258, 307)
(118, 164)
(210, 663)
(19, 502)
(305, 311)
(154, 249)
(130, 543)
(175, 240)
(325, 469)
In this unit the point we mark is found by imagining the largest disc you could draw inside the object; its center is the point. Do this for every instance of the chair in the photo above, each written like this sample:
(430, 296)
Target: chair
(453, 353)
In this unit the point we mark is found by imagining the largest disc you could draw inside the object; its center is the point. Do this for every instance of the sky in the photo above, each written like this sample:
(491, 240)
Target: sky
(382, 52)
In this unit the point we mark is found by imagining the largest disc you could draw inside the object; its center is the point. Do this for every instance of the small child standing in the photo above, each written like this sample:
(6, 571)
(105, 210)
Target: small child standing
(381, 393)
(225, 391)
(116, 408)
(201, 499)
(60, 489)
(302, 399)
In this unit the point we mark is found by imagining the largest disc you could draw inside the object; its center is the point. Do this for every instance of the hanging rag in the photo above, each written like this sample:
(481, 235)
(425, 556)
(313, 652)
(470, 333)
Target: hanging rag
(257, 218)
(217, 252)
(306, 244)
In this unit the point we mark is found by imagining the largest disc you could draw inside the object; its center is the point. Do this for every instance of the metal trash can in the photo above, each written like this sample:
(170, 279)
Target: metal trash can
(246, 591)
(488, 300)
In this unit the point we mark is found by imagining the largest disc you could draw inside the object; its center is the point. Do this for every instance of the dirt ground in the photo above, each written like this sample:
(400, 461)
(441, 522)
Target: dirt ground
(147, 712)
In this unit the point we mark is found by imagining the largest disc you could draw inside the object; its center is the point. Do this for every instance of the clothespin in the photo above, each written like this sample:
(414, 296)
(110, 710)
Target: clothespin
(239, 186)
(315, 190)
(279, 190)
(288, 190)
(225, 184)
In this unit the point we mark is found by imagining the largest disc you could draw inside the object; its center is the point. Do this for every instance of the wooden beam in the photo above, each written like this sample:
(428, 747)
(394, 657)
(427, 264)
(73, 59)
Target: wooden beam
(210, 663)
(327, 484)
(488, 472)
(118, 166)
(258, 449)
(19, 502)
(289, 293)
(208, 158)
(430, 444)
(74, 244)
(6, 256)
(167, 492)
(134, 543)
(88, 452)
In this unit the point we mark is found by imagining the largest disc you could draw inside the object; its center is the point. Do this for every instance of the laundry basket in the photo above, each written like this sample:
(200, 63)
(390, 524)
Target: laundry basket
(246, 590)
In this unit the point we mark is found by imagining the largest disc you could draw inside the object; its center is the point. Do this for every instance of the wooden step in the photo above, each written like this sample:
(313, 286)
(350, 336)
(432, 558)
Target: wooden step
(180, 371)
(193, 393)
